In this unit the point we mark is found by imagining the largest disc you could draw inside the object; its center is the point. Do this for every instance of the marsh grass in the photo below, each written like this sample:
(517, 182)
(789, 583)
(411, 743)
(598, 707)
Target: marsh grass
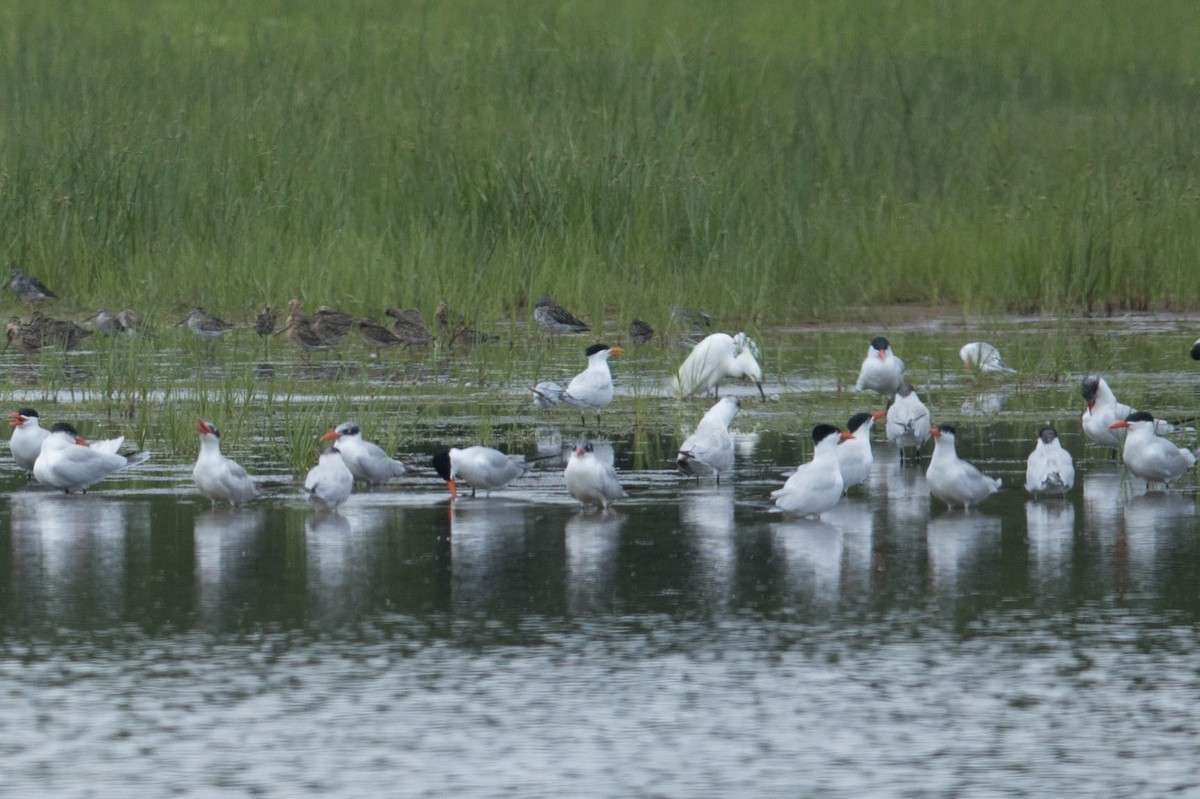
(771, 164)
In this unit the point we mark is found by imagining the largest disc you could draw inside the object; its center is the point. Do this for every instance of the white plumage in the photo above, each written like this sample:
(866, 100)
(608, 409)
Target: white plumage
(854, 454)
(908, 421)
(709, 450)
(67, 462)
(590, 480)
(479, 467)
(329, 483)
(366, 461)
(714, 359)
(592, 389)
(984, 357)
(219, 478)
(1050, 468)
(953, 480)
(815, 486)
(882, 371)
(1148, 455)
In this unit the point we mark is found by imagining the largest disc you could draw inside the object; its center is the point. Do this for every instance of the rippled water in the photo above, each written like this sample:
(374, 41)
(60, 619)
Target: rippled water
(690, 643)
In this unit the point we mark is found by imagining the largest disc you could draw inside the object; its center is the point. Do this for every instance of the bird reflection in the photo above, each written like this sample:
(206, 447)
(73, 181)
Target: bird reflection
(957, 542)
(592, 541)
(72, 551)
(853, 518)
(225, 540)
(487, 543)
(1103, 502)
(813, 551)
(745, 444)
(1051, 529)
(1152, 522)
(707, 516)
(337, 556)
(984, 403)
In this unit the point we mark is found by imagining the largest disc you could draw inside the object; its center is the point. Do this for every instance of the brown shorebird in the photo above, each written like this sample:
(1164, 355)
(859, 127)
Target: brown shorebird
(409, 326)
(555, 319)
(205, 325)
(129, 320)
(640, 332)
(21, 337)
(456, 332)
(264, 323)
(377, 336)
(57, 332)
(331, 325)
(28, 287)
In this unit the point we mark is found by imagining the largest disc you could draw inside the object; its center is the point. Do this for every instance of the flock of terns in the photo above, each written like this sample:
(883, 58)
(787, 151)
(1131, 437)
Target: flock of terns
(60, 459)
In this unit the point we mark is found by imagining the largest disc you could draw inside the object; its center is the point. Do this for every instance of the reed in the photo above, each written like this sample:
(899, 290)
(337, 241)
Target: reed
(770, 164)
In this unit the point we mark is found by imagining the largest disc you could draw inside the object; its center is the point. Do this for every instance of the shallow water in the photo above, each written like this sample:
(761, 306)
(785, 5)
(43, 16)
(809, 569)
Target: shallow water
(690, 643)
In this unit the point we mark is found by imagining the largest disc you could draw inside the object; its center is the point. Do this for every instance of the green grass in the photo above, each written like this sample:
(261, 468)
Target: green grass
(770, 163)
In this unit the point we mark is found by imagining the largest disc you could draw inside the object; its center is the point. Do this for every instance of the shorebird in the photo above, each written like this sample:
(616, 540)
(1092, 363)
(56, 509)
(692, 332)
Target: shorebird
(950, 478)
(714, 359)
(219, 478)
(554, 319)
(57, 332)
(105, 322)
(204, 325)
(590, 480)
(377, 336)
(129, 320)
(640, 332)
(264, 323)
(28, 287)
(455, 331)
(479, 467)
(331, 325)
(410, 326)
(709, 450)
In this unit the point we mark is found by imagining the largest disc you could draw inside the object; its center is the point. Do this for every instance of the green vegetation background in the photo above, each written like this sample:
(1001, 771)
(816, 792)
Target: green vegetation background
(771, 162)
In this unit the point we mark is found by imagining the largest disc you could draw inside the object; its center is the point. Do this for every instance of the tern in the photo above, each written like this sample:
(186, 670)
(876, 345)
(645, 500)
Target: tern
(28, 436)
(816, 486)
(554, 319)
(1149, 455)
(953, 480)
(329, 483)
(592, 389)
(908, 421)
(1103, 409)
(1050, 468)
(714, 359)
(68, 463)
(219, 478)
(366, 461)
(709, 450)
(590, 480)
(479, 467)
(881, 371)
(854, 455)
(983, 356)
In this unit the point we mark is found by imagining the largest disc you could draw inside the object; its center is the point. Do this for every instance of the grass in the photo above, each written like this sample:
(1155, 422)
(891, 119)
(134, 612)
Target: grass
(769, 164)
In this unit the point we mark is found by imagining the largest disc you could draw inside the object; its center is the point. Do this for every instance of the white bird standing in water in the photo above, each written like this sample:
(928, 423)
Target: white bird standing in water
(881, 371)
(329, 483)
(590, 480)
(366, 461)
(715, 358)
(908, 421)
(27, 438)
(816, 486)
(1050, 468)
(68, 463)
(984, 357)
(953, 480)
(479, 467)
(1103, 409)
(219, 478)
(709, 450)
(854, 454)
(1148, 455)
(592, 389)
